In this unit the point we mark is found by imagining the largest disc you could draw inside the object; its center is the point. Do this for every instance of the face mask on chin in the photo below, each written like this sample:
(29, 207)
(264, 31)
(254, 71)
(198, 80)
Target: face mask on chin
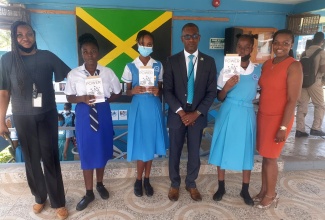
(27, 50)
(245, 58)
(66, 112)
(144, 51)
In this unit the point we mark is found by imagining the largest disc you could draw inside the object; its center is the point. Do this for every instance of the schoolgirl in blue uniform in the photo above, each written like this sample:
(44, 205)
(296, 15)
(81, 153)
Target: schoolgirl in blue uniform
(234, 134)
(147, 133)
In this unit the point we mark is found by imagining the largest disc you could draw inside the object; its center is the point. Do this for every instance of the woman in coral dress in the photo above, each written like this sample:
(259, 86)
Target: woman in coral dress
(280, 83)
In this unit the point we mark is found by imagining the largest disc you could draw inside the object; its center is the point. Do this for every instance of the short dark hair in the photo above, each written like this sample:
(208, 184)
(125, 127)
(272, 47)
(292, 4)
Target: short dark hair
(143, 33)
(87, 38)
(284, 31)
(318, 38)
(190, 25)
(68, 104)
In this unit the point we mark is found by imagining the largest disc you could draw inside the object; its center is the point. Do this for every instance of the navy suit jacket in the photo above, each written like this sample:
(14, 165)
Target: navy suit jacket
(175, 88)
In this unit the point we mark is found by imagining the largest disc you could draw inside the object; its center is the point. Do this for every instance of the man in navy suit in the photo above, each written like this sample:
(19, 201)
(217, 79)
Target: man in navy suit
(188, 109)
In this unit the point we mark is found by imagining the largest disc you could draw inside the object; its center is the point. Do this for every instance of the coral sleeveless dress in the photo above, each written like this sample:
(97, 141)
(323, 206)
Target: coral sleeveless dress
(273, 83)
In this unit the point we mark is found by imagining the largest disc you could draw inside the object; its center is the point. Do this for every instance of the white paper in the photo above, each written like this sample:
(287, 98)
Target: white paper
(94, 86)
(231, 66)
(123, 114)
(114, 115)
(146, 76)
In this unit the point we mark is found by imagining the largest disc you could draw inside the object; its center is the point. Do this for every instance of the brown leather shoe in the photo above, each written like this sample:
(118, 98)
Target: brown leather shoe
(62, 213)
(173, 194)
(37, 208)
(195, 194)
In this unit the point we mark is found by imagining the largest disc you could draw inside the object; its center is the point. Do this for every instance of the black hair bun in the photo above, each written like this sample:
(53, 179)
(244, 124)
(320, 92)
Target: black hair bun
(87, 38)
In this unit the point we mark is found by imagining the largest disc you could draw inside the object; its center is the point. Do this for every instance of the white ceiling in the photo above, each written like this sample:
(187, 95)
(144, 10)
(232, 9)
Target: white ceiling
(293, 2)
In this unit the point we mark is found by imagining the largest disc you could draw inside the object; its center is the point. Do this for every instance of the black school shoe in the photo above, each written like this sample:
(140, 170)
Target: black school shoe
(85, 202)
(147, 187)
(219, 194)
(102, 192)
(138, 188)
(247, 199)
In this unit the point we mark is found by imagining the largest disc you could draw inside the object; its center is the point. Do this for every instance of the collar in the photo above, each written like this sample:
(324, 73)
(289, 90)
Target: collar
(196, 53)
(138, 62)
(314, 46)
(83, 68)
(249, 69)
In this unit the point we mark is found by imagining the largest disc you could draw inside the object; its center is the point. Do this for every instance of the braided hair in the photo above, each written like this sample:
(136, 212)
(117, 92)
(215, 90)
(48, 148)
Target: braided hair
(17, 60)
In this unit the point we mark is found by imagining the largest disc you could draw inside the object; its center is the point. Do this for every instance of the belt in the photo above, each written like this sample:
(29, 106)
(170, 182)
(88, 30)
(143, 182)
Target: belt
(240, 103)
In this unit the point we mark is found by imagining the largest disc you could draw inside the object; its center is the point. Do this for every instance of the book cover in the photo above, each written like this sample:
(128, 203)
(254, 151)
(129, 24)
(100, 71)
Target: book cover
(94, 86)
(146, 76)
(231, 66)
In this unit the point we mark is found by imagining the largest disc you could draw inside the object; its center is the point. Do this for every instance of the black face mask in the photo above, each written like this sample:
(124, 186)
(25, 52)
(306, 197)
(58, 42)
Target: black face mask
(27, 50)
(245, 58)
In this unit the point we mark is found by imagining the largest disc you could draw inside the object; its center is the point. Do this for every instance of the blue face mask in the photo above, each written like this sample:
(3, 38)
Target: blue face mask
(144, 51)
(60, 123)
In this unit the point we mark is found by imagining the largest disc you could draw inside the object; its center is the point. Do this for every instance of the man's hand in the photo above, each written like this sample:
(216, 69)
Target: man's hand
(189, 118)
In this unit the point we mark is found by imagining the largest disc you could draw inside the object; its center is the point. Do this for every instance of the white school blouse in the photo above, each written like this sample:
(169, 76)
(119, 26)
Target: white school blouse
(127, 75)
(76, 81)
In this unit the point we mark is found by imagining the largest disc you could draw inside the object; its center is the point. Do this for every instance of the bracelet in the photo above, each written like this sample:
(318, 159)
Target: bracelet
(283, 128)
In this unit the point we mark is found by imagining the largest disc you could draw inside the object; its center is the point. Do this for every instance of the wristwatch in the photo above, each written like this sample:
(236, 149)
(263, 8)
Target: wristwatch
(198, 112)
(283, 128)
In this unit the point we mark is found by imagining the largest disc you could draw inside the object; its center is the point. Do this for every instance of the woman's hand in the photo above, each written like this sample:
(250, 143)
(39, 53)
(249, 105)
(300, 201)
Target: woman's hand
(231, 82)
(154, 90)
(89, 99)
(138, 90)
(280, 136)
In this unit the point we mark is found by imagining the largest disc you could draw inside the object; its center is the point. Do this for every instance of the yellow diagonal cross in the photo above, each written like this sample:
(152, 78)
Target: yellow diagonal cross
(121, 46)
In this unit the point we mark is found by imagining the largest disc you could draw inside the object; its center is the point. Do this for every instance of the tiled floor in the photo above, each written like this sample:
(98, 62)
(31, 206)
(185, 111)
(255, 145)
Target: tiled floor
(302, 193)
(302, 196)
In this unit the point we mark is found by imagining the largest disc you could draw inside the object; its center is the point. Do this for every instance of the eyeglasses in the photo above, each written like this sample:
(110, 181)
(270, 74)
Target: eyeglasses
(188, 36)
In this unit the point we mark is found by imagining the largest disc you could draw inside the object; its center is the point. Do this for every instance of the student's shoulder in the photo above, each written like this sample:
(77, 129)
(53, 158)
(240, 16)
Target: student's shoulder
(105, 70)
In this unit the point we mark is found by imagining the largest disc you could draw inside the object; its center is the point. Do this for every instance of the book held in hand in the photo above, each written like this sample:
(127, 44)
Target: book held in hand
(146, 76)
(94, 86)
(231, 66)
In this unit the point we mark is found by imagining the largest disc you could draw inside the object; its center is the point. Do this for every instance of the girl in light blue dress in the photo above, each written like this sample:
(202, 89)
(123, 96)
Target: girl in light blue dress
(234, 133)
(147, 133)
(65, 141)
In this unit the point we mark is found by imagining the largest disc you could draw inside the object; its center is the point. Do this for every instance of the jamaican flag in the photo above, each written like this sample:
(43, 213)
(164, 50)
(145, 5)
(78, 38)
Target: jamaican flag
(116, 31)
